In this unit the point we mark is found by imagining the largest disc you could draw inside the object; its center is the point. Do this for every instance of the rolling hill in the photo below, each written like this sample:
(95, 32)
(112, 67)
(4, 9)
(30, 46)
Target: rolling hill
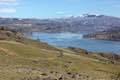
(25, 59)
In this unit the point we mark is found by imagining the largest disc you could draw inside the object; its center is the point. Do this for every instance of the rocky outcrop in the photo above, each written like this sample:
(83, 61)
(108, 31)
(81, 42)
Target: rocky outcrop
(6, 34)
(78, 50)
(109, 57)
(60, 76)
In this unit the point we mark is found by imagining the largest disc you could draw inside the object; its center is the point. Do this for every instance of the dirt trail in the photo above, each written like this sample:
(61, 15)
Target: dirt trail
(11, 42)
(72, 54)
(6, 51)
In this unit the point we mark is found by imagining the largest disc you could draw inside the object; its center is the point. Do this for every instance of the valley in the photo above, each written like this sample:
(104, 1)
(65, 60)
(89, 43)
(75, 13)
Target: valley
(54, 49)
(59, 40)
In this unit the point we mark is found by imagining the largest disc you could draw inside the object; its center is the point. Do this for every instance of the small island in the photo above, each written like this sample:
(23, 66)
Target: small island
(106, 35)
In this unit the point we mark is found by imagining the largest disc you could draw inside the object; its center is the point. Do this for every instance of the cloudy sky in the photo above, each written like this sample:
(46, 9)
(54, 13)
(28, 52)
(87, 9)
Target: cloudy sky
(57, 8)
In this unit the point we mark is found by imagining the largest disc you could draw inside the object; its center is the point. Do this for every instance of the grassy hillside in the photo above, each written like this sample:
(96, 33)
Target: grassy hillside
(33, 60)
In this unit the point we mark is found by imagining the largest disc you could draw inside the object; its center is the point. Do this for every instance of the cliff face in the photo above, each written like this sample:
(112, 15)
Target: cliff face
(104, 36)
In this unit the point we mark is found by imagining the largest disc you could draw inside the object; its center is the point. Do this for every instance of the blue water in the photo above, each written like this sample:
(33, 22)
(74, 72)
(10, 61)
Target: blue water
(76, 40)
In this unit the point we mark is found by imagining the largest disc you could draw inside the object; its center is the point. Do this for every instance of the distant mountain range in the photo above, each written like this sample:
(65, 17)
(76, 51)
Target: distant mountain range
(86, 23)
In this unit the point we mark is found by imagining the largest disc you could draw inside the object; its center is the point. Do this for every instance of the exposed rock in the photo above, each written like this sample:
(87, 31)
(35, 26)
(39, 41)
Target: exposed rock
(111, 57)
(6, 34)
(78, 50)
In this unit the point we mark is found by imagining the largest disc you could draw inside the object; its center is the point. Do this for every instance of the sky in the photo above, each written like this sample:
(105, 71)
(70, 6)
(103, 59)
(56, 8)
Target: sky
(58, 8)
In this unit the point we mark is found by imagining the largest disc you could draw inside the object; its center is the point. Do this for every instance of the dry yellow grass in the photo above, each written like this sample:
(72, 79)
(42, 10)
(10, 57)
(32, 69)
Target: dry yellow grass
(34, 60)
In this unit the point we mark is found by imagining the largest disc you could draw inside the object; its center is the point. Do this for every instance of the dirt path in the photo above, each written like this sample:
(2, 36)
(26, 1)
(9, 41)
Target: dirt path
(6, 51)
(11, 42)
(72, 54)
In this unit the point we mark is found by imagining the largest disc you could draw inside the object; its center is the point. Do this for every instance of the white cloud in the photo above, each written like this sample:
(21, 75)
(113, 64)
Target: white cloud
(6, 3)
(8, 6)
(7, 10)
(9, 2)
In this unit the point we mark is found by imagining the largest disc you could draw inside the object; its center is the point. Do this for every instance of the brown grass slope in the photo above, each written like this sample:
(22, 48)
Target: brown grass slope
(25, 59)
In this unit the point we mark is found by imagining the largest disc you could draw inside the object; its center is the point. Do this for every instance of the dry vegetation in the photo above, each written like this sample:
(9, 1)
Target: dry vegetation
(33, 60)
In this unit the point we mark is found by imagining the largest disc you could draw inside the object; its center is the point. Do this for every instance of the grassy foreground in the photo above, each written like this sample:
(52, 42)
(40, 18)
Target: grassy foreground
(33, 60)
